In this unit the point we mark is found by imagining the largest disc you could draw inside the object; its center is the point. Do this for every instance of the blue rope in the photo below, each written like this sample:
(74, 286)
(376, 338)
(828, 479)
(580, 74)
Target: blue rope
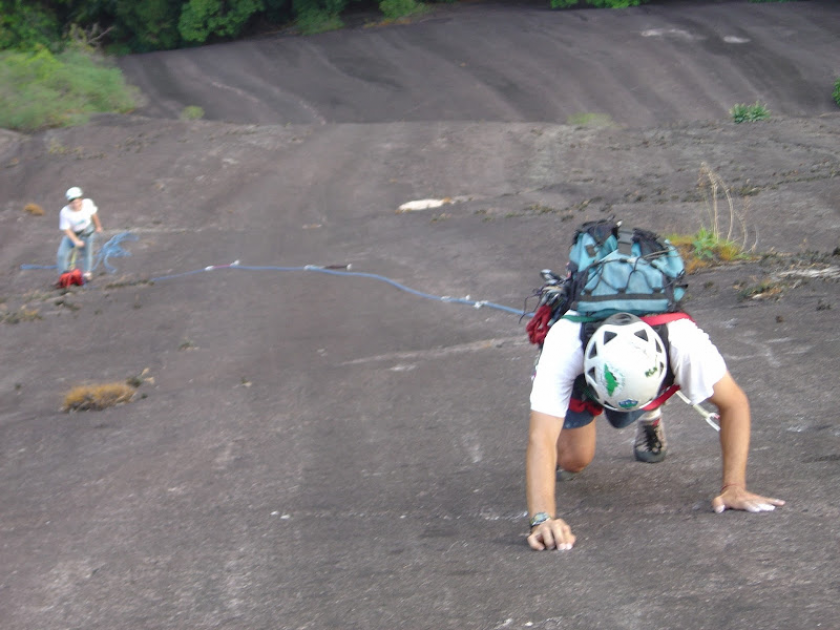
(27, 266)
(356, 274)
(113, 249)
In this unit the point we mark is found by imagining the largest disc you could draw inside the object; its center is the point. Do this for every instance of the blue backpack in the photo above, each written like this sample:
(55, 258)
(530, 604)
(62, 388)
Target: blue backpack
(611, 270)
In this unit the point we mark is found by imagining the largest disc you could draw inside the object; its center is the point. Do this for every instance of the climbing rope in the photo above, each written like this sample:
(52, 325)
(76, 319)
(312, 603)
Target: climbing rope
(347, 273)
(111, 249)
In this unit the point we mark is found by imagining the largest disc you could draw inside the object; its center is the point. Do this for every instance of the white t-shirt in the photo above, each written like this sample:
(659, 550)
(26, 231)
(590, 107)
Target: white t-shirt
(76, 220)
(696, 362)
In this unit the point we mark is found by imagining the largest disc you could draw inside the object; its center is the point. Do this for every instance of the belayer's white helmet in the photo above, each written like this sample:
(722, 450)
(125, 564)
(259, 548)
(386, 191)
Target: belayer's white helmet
(73, 193)
(625, 363)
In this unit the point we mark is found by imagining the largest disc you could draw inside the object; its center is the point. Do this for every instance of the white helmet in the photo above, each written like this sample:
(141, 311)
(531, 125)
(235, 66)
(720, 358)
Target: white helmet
(625, 363)
(73, 193)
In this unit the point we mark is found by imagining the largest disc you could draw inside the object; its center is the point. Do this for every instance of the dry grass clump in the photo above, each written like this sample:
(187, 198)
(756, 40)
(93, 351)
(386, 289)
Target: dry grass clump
(98, 397)
(727, 223)
(763, 290)
(724, 236)
(34, 209)
(23, 314)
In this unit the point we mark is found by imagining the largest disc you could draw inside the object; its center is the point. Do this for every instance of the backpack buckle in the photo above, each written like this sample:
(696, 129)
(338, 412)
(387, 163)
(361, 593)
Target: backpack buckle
(625, 242)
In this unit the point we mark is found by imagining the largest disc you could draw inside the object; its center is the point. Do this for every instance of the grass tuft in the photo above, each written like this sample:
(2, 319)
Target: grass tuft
(703, 249)
(725, 239)
(98, 397)
(763, 290)
(749, 113)
(192, 112)
(590, 119)
(34, 209)
(24, 314)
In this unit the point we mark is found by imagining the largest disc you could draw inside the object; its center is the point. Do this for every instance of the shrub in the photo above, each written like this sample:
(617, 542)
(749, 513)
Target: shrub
(836, 92)
(39, 89)
(396, 9)
(312, 21)
(749, 113)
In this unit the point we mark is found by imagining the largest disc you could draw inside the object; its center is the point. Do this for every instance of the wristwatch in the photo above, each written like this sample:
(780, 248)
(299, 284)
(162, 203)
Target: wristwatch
(539, 518)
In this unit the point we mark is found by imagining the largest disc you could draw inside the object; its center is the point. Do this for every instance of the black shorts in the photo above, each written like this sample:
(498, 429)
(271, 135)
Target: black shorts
(618, 419)
(583, 410)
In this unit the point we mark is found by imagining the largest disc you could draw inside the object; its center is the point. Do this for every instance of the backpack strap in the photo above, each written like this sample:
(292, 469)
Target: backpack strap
(625, 242)
(651, 320)
(664, 318)
(668, 387)
(582, 319)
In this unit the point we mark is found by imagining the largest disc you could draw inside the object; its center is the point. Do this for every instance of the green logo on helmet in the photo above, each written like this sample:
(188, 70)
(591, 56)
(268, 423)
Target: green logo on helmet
(610, 380)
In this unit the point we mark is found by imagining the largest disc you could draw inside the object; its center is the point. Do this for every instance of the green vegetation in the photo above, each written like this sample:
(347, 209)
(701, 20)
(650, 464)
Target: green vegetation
(397, 9)
(27, 26)
(313, 20)
(726, 237)
(590, 120)
(749, 113)
(39, 89)
(192, 112)
(836, 93)
(705, 248)
(201, 19)
(130, 26)
(603, 4)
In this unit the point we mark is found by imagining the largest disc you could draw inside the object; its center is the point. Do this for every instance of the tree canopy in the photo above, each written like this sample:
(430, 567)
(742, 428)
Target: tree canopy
(132, 26)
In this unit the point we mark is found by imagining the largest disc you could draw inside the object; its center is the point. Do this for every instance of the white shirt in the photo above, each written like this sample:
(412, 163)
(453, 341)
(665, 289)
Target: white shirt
(76, 220)
(696, 362)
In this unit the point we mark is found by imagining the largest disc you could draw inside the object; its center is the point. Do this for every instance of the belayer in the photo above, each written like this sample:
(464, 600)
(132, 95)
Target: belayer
(613, 338)
(79, 223)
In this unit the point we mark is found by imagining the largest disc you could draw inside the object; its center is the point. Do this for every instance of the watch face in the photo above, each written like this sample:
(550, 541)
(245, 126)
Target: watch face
(539, 517)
